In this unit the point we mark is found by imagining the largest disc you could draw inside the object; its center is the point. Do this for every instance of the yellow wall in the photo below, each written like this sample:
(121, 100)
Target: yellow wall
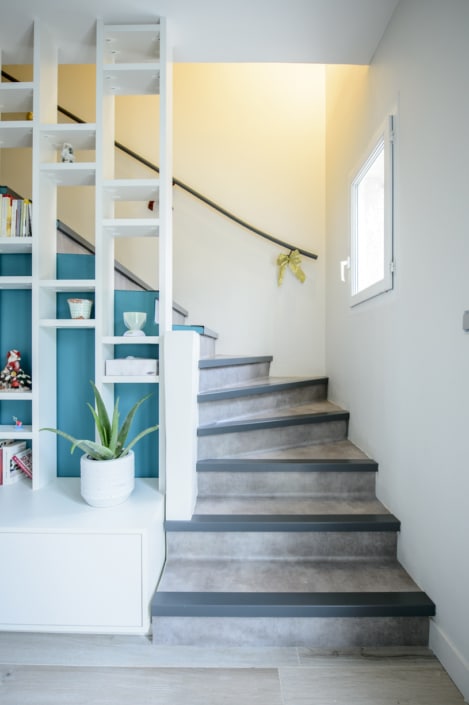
(252, 138)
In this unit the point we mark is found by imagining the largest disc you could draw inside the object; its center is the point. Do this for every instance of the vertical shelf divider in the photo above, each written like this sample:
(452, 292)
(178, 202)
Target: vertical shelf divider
(166, 233)
(44, 357)
(135, 71)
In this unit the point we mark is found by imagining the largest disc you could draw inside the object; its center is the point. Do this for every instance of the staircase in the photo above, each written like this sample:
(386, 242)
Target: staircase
(288, 545)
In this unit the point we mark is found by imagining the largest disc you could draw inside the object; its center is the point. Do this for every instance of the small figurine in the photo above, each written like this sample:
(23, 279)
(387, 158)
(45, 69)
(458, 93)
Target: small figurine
(18, 423)
(12, 377)
(67, 153)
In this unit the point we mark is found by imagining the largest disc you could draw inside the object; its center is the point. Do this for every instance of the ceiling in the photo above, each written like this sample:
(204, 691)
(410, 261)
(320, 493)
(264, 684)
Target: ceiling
(304, 31)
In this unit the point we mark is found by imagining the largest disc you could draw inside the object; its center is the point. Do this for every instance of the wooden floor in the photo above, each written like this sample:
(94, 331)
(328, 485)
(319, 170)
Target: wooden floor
(38, 669)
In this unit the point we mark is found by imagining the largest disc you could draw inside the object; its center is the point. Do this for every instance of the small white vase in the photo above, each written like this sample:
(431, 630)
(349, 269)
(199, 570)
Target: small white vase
(107, 483)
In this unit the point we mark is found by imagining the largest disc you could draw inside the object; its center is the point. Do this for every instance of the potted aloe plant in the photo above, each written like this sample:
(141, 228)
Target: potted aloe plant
(107, 468)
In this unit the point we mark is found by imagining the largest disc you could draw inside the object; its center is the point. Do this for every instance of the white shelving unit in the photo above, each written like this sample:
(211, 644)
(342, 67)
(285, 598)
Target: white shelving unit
(16, 98)
(123, 551)
(131, 60)
(49, 173)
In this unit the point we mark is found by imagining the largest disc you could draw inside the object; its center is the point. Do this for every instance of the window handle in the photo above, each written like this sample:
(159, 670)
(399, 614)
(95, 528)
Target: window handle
(344, 264)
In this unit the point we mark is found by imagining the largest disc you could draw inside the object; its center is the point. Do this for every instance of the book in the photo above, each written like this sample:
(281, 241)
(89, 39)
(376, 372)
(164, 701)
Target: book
(15, 215)
(23, 460)
(10, 473)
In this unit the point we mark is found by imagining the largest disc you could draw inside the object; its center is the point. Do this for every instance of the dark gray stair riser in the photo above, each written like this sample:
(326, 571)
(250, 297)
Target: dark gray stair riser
(313, 632)
(352, 484)
(225, 444)
(216, 377)
(282, 545)
(215, 411)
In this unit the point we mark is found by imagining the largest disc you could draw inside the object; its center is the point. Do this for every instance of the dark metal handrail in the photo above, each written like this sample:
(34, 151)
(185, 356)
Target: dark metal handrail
(185, 187)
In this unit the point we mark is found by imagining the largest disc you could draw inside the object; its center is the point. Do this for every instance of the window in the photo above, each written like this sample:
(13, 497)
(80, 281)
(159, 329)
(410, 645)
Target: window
(371, 259)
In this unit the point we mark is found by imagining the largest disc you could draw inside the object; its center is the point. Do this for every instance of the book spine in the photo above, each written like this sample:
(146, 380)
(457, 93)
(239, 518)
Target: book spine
(10, 472)
(15, 215)
(23, 463)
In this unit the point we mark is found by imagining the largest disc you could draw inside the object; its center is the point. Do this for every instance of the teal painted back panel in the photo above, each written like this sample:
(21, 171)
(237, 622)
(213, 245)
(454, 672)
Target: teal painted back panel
(75, 367)
(15, 330)
(75, 362)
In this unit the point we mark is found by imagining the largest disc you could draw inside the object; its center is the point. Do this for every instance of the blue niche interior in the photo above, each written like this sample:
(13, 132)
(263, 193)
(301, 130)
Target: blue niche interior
(15, 330)
(75, 369)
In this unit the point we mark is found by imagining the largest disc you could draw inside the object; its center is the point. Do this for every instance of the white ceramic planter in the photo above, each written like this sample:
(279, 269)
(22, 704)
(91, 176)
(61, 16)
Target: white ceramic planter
(107, 483)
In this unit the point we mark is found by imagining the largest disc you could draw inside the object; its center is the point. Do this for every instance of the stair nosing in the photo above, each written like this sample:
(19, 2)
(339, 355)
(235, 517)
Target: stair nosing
(285, 522)
(286, 465)
(200, 329)
(258, 389)
(250, 424)
(296, 604)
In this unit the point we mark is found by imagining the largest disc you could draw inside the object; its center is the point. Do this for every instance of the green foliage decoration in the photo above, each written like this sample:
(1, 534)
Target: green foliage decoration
(112, 438)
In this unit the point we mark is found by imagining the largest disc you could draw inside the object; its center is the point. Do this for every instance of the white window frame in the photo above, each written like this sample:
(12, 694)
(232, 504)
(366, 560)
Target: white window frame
(384, 140)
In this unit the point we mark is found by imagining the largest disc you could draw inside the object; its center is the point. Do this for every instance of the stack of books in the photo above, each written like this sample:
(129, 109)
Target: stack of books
(15, 461)
(15, 215)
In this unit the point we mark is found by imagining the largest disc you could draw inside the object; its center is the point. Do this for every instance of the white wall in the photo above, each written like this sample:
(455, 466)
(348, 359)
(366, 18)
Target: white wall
(400, 362)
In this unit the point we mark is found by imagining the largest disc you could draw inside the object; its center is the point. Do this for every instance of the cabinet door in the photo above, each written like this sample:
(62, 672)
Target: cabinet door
(59, 582)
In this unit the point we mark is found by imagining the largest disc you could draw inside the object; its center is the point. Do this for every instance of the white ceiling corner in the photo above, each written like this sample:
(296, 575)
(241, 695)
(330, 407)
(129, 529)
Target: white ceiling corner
(302, 31)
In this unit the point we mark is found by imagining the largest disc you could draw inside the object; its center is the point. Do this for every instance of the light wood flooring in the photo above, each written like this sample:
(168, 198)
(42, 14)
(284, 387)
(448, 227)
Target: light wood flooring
(39, 669)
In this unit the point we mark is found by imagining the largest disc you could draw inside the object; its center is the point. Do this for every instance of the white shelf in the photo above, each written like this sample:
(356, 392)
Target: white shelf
(131, 379)
(10, 432)
(131, 43)
(15, 245)
(68, 284)
(81, 136)
(15, 396)
(75, 174)
(16, 97)
(132, 189)
(67, 322)
(132, 79)
(129, 340)
(16, 133)
(132, 227)
(16, 282)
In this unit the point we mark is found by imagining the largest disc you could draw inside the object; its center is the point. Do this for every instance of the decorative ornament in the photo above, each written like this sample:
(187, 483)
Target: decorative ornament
(67, 152)
(292, 260)
(12, 377)
(18, 423)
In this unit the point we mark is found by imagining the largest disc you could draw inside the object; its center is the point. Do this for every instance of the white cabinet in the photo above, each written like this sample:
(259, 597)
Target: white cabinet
(72, 568)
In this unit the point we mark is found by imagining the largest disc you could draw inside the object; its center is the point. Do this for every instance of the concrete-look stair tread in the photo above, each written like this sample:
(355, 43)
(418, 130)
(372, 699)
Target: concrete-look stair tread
(334, 450)
(236, 575)
(305, 413)
(285, 505)
(285, 604)
(286, 523)
(258, 385)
